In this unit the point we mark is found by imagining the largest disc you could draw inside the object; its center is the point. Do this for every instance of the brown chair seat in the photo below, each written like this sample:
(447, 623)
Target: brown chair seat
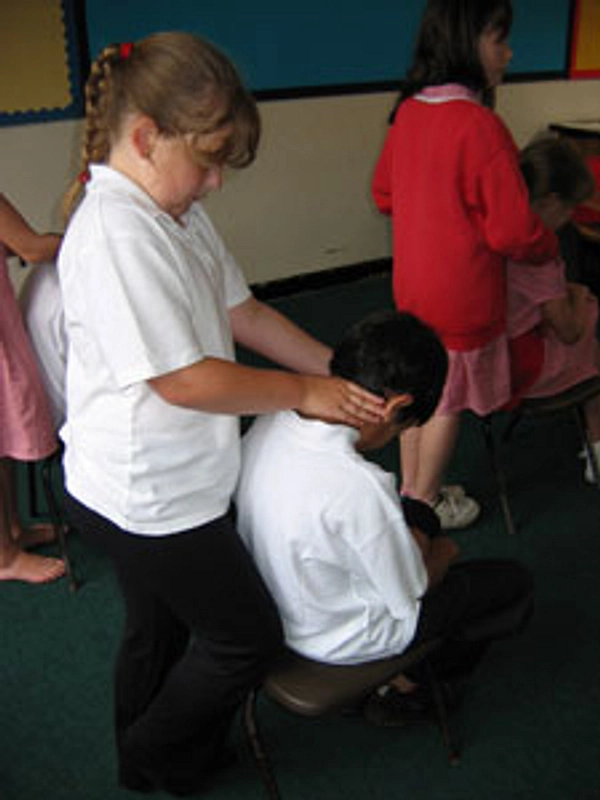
(573, 396)
(310, 688)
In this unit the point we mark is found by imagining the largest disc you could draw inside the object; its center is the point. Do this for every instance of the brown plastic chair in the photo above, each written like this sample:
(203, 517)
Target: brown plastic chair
(573, 400)
(313, 689)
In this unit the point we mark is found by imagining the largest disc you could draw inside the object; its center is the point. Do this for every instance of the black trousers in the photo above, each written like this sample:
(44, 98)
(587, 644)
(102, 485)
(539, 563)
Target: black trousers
(478, 601)
(200, 630)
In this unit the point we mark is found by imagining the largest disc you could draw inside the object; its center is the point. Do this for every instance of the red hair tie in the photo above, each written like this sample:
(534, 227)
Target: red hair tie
(84, 176)
(125, 50)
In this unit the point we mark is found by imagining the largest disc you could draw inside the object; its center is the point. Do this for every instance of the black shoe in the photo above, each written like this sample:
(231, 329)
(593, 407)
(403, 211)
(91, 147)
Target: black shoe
(394, 708)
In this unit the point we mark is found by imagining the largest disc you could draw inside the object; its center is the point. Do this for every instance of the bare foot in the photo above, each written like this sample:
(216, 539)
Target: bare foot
(35, 535)
(32, 568)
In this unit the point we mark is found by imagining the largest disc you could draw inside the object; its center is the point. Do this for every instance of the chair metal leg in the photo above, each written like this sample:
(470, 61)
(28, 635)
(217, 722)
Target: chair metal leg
(32, 495)
(256, 745)
(514, 420)
(58, 523)
(499, 475)
(442, 715)
(588, 446)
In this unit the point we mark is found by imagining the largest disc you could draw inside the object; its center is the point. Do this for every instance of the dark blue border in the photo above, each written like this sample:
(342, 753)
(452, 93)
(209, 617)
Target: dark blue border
(314, 48)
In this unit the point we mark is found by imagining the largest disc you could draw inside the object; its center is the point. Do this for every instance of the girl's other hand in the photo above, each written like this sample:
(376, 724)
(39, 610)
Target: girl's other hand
(337, 400)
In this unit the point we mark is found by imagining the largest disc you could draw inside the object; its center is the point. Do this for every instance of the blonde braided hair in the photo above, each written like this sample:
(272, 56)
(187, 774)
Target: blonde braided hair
(183, 83)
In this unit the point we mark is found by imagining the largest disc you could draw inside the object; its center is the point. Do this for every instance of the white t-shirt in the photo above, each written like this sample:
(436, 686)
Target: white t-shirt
(326, 530)
(42, 309)
(144, 296)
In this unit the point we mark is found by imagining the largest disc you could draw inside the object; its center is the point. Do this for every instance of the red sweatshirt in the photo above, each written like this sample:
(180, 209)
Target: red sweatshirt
(450, 178)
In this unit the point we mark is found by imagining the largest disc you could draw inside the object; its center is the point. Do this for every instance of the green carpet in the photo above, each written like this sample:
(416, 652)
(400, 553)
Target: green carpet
(529, 727)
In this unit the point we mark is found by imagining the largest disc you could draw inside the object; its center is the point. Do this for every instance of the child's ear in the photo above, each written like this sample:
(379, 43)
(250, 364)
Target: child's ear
(143, 136)
(394, 403)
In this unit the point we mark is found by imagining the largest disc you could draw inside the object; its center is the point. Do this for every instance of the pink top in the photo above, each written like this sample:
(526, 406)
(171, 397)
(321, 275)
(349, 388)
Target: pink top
(529, 287)
(26, 430)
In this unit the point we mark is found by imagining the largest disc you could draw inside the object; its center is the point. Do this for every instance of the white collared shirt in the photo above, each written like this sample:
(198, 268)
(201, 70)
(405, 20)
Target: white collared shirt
(144, 296)
(326, 530)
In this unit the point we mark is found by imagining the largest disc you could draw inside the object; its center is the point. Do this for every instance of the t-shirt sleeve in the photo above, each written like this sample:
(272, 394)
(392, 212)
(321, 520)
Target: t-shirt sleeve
(528, 288)
(235, 284)
(236, 288)
(544, 282)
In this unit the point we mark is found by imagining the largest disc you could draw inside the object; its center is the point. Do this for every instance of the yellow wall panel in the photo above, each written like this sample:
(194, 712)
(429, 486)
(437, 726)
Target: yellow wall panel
(35, 70)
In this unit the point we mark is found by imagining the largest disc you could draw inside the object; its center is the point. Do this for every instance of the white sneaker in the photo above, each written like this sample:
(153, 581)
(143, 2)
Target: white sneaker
(589, 473)
(453, 490)
(455, 509)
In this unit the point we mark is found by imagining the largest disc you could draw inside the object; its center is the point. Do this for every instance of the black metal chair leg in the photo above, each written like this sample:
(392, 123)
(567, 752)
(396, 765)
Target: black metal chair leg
(256, 745)
(499, 475)
(57, 521)
(32, 498)
(588, 446)
(442, 715)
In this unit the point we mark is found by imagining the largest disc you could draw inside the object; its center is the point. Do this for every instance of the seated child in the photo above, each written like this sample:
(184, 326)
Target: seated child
(587, 212)
(352, 580)
(42, 309)
(556, 318)
(580, 238)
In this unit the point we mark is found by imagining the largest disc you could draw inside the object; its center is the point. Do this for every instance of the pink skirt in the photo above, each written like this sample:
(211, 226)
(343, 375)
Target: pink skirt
(26, 429)
(478, 380)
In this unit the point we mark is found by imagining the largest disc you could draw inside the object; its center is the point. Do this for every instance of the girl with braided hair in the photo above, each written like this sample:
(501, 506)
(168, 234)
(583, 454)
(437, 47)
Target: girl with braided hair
(153, 304)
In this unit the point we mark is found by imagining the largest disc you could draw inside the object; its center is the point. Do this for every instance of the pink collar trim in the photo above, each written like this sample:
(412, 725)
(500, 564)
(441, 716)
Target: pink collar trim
(446, 92)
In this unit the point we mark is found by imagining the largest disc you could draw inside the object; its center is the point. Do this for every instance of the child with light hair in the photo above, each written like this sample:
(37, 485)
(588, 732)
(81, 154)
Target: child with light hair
(154, 303)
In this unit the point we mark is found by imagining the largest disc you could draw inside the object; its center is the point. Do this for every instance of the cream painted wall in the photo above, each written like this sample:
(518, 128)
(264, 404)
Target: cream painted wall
(36, 165)
(304, 205)
(527, 108)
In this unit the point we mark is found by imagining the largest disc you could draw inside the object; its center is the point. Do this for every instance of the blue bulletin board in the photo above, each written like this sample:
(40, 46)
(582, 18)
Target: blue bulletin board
(320, 45)
(281, 49)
